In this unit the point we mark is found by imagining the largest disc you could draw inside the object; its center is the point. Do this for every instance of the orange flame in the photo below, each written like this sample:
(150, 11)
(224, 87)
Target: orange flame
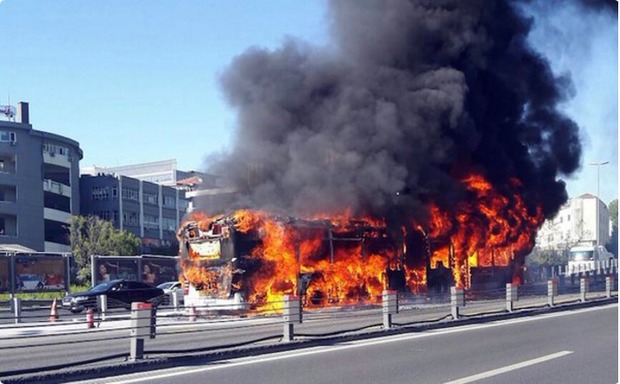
(350, 259)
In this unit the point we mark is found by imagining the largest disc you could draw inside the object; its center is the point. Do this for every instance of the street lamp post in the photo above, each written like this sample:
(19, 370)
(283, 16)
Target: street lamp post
(598, 192)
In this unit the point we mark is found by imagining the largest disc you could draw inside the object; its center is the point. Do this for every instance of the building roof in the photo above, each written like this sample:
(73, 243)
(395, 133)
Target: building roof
(14, 248)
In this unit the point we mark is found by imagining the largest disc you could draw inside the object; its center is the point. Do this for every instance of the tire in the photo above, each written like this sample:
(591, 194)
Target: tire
(76, 311)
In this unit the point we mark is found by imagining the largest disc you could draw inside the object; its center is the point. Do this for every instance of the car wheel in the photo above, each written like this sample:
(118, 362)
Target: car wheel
(75, 311)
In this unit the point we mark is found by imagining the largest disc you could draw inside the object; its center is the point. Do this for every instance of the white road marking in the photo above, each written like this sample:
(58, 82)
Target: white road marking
(508, 368)
(171, 372)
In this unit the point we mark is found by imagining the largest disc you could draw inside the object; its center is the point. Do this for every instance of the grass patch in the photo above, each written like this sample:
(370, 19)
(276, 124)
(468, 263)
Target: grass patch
(44, 295)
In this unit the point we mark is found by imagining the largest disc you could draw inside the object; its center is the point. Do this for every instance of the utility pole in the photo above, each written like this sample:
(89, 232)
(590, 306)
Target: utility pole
(598, 192)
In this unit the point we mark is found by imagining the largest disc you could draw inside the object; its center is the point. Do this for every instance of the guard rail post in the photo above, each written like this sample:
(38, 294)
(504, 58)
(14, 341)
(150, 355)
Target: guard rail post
(16, 308)
(140, 328)
(552, 291)
(102, 306)
(584, 286)
(511, 296)
(457, 299)
(390, 307)
(176, 298)
(292, 315)
(609, 286)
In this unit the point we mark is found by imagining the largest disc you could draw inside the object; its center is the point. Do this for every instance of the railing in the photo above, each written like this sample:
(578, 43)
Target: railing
(111, 336)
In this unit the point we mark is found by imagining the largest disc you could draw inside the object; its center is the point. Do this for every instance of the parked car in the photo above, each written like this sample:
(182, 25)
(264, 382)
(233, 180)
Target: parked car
(120, 293)
(170, 288)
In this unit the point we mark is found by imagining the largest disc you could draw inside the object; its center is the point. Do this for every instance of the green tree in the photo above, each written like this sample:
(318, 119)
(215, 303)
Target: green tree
(90, 235)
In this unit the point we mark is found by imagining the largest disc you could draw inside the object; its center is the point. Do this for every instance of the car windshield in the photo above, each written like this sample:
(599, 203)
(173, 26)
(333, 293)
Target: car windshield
(102, 287)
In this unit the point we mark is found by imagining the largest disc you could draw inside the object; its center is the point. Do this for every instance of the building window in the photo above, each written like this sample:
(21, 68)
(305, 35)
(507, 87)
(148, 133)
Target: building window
(169, 224)
(8, 137)
(151, 222)
(114, 192)
(131, 218)
(169, 201)
(100, 193)
(150, 198)
(104, 215)
(129, 193)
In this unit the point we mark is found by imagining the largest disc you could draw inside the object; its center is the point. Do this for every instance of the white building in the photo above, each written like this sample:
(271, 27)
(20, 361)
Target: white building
(576, 222)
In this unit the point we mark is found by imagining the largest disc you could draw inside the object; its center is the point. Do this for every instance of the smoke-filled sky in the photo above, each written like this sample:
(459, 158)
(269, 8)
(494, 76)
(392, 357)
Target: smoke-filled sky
(407, 98)
(115, 73)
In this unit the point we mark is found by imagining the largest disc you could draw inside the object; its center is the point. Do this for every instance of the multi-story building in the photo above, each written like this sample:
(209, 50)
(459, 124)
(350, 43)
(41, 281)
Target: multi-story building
(578, 221)
(162, 172)
(151, 211)
(39, 185)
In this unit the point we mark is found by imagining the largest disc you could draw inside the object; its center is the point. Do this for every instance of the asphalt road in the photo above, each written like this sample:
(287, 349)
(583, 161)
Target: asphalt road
(579, 346)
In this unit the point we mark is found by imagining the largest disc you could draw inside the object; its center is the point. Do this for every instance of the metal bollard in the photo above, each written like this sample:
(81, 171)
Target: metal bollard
(457, 300)
(16, 308)
(609, 286)
(140, 328)
(511, 296)
(102, 306)
(176, 298)
(390, 307)
(584, 286)
(552, 291)
(292, 314)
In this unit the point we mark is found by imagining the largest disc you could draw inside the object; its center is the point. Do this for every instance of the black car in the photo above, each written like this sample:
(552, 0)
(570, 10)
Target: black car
(120, 293)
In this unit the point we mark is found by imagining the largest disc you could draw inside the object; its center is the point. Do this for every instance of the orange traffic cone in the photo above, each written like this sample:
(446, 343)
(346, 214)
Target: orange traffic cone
(90, 318)
(54, 311)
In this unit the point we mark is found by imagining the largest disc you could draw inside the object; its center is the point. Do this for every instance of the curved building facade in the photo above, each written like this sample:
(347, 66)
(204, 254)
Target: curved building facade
(39, 185)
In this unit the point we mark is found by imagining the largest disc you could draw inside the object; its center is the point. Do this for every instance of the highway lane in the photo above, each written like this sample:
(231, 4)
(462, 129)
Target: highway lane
(565, 347)
(47, 344)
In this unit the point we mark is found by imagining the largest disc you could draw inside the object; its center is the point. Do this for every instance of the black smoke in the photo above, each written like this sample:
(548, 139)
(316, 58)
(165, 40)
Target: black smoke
(411, 96)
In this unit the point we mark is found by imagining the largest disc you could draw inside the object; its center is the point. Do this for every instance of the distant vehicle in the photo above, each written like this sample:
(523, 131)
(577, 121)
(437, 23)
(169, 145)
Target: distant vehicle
(170, 288)
(587, 258)
(120, 293)
(30, 282)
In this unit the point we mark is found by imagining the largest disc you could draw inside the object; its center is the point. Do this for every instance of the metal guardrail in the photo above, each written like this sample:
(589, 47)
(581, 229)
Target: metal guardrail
(144, 327)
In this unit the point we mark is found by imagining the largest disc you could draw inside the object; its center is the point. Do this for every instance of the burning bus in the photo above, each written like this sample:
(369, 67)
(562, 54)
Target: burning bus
(252, 258)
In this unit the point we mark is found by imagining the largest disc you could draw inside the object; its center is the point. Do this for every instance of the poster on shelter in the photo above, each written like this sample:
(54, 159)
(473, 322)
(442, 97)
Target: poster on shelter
(112, 268)
(40, 272)
(157, 270)
(5, 282)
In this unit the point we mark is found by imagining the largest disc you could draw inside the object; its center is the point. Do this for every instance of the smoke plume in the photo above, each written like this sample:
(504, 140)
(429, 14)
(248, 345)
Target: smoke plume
(410, 97)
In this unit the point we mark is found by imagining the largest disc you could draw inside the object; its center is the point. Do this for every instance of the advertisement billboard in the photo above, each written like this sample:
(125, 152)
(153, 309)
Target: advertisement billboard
(149, 269)
(40, 272)
(157, 270)
(112, 268)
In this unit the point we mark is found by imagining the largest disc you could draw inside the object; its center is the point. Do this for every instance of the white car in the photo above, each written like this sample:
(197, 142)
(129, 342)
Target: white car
(170, 288)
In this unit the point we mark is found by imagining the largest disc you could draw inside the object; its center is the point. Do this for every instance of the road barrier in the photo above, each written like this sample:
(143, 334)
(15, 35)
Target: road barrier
(552, 291)
(391, 311)
(390, 307)
(457, 300)
(291, 315)
(511, 296)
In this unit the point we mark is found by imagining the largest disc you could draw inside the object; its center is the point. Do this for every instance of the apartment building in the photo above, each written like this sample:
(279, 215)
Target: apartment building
(584, 219)
(39, 184)
(151, 211)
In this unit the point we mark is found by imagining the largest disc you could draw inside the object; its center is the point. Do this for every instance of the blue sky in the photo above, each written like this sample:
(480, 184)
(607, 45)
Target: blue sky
(136, 81)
